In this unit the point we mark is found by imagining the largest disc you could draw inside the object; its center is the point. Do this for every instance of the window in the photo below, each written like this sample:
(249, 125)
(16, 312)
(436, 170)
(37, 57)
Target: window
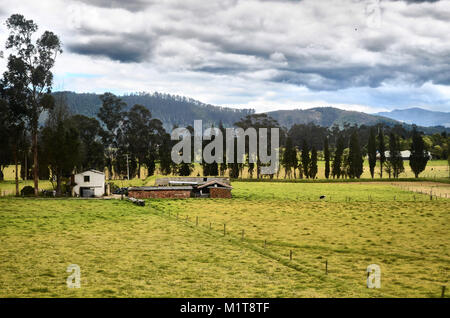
(86, 179)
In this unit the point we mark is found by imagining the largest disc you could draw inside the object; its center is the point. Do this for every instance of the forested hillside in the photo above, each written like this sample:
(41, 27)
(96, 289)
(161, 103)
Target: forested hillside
(182, 111)
(170, 109)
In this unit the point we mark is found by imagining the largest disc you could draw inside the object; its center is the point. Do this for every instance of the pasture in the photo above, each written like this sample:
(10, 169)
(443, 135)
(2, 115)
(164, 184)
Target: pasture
(278, 239)
(434, 169)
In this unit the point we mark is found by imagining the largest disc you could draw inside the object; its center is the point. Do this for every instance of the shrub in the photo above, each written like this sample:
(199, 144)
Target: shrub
(27, 191)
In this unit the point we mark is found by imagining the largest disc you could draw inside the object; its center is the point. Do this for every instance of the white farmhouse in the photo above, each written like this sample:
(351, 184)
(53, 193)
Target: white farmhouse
(90, 183)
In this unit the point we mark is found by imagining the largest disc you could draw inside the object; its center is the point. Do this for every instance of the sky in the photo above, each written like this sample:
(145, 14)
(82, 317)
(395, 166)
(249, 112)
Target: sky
(364, 55)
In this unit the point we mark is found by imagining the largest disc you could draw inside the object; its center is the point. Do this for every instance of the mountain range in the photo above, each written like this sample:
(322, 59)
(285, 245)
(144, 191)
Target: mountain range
(419, 116)
(182, 111)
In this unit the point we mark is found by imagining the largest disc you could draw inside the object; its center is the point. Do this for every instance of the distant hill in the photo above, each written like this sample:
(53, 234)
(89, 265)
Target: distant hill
(327, 117)
(182, 111)
(170, 109)
(419, 116)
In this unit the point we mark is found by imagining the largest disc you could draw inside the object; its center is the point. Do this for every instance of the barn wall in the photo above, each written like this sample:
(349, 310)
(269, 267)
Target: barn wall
(97, 183)
(220, 193)
(160, 194)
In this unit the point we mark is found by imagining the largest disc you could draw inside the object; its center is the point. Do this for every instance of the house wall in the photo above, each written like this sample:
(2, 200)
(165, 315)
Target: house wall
(96, 182)
(220, 193)
(160, 194)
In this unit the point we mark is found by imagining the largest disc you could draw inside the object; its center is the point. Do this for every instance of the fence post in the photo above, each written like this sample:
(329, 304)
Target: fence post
(224, 229)
(443, 292)
(326, 267)
(290, 255)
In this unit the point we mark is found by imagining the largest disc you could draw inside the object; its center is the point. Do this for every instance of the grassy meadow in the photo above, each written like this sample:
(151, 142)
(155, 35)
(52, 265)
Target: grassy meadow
(177, 248)
(434, 169)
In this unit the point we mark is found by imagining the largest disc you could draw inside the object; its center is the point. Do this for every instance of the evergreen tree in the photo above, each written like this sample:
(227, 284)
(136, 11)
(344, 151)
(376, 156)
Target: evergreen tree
(289, 157)
(305, 158)
(235, 166)
(313, 164)
(355, 160)
(223, 166)
(185, 169)
(382, 150)
(29, 73)
(165, 159)
(419, 156)
(111, 114)
(138, 132)
(395, 157)
(337, 161)
(60, 145)
(326, 153)
(372, 152)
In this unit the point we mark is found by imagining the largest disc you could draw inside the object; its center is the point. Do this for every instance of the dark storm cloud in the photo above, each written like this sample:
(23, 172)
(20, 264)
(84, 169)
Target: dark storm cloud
(123, 49)
(378, 43)
(306, 43)
(130, 5)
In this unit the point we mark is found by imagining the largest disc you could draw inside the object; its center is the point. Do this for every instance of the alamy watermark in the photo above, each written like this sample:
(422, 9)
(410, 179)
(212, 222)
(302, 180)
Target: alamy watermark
(235, 146)
(373, 14)
(373, 276)
(74, 279)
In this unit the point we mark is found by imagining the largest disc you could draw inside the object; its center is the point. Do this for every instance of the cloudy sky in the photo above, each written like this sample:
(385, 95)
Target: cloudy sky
(367, 55)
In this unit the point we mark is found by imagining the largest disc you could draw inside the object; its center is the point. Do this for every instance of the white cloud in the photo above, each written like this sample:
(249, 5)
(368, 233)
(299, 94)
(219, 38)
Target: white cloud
(363, 54)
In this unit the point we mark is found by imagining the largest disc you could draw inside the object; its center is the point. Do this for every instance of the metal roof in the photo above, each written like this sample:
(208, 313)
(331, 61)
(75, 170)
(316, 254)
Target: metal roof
(183, 182)
(213, 182)
(159, 188)
(91, 170)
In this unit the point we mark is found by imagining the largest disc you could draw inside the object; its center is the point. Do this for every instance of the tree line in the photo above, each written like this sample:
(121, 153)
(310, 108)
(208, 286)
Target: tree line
(124, 140)
(344, 156)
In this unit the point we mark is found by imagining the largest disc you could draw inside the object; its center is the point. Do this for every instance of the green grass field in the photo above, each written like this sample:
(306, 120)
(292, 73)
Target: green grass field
(160, 250)
(434, 169)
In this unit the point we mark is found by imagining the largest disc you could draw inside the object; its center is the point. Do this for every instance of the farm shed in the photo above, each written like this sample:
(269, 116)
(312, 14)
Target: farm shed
(215, 189)
(182, 188)
(90, 183)
(160, 192)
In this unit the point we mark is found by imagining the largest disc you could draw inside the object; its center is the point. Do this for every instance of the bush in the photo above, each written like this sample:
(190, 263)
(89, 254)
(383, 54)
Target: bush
(27, 191)
(113, 187)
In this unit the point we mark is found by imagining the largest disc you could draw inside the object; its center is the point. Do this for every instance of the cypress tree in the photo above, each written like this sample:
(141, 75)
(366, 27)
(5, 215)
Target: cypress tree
(419, 157)
(313, 163)
(355, 159)
(305, 158)
(185, 169)
(395, 157)
(289, 157)
(372, 152)
(337, 161)
(326, 152)
(223, 166)
(382, 150)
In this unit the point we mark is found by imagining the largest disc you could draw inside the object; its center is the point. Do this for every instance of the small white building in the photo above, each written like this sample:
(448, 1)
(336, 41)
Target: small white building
(90, 183)
(405, 154)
